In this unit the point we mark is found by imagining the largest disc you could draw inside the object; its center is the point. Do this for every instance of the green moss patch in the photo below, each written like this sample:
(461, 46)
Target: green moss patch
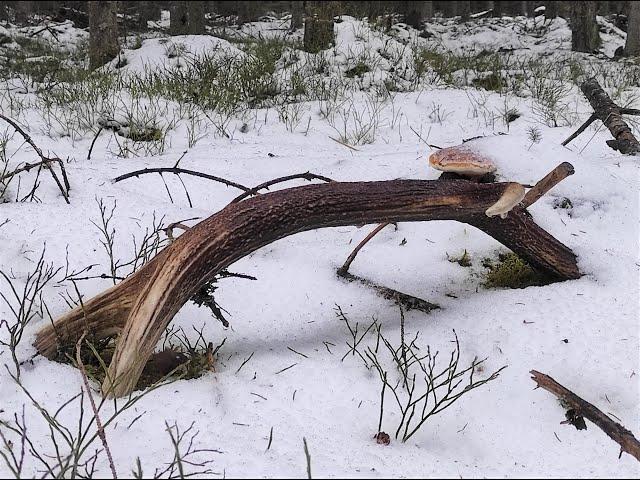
(510, 271)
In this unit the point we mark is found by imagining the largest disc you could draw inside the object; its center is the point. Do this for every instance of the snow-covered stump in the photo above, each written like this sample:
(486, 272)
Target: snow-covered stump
(143, 305)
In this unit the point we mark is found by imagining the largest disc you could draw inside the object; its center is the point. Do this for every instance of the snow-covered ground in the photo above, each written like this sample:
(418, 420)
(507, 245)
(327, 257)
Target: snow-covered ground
(584, 333)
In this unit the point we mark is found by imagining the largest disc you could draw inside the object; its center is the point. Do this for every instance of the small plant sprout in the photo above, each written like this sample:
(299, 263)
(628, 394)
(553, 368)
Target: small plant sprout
(534, 135)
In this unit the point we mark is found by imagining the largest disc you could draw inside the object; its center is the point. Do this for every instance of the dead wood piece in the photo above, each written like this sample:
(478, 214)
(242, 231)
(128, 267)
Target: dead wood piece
(580, 129)
(550, 180)
(144, 303)
(611, 115)
(405, 300)
(581, 408)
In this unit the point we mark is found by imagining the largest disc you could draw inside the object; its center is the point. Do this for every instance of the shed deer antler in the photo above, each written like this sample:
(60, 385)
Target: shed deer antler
(144, 304)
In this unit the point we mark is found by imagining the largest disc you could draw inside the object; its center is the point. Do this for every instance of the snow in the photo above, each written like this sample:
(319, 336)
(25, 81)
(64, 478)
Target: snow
(584, 333)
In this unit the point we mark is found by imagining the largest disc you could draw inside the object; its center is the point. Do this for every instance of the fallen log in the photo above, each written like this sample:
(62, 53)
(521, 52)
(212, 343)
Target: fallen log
(579, 408)
(605, 110)
(142, 305)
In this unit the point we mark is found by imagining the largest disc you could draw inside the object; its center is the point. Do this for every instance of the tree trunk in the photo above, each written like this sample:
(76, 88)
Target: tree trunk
(585, 36)
(149, 11)
(497, 9)
(318, 26)
(103, 33)
(297, 13)
(23, 11)
(632, 47)
(416, 12)
(550, 10)
(187, 18)
(463, 9)
(146, 301)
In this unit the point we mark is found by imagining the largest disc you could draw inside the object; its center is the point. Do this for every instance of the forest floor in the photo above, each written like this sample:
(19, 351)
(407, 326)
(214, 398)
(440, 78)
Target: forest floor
(248, 105)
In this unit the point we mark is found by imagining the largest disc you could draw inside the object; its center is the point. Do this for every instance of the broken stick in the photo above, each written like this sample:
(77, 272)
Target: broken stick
(619, 434)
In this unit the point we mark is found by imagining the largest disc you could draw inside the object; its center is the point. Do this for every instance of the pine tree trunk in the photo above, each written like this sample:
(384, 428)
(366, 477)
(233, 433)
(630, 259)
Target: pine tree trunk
(187, 18)
(149, 11)
(632, 47)
(297, 11)
(550, 10)
(22, 11)
(463, 9)
(103, 33)
(318, 26)
(416, 12)
(585, 36)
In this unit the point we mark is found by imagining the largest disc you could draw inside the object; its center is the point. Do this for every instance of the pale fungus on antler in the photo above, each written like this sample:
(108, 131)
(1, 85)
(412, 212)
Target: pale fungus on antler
(511, 197)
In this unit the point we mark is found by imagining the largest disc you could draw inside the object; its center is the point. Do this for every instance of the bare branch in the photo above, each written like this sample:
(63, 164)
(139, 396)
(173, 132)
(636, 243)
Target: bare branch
(178, 171)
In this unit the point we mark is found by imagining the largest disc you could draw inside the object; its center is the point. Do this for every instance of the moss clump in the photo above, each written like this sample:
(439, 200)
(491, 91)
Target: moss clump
(463, 260)
(492, 82)
(512, 272)
(359, 70)
(183, 361)
(563, 202)
(144, 134)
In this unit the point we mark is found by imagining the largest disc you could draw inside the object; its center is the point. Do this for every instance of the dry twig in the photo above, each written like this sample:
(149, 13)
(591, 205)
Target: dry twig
(45, 161)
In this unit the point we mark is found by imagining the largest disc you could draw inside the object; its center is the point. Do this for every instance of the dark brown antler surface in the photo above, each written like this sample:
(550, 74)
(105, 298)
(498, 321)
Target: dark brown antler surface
(143, 304)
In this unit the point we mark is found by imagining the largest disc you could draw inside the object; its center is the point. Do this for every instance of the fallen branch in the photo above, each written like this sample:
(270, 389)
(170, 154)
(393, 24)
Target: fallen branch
(45, 161)
(611, 115)
(403, 299)
(144, 303)
(581, 129)
(581, 408)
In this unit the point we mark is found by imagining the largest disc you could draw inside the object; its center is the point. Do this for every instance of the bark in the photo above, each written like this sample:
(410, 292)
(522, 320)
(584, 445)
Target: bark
(416, 12)
(581, 408)
(463, 9)
(297, 12)
(585, 36)
(103, 33)
(318, 26)
(611, 115)
(550, 10)
(632, 46)
(149, 11)
(187, 18)
(146, 302)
